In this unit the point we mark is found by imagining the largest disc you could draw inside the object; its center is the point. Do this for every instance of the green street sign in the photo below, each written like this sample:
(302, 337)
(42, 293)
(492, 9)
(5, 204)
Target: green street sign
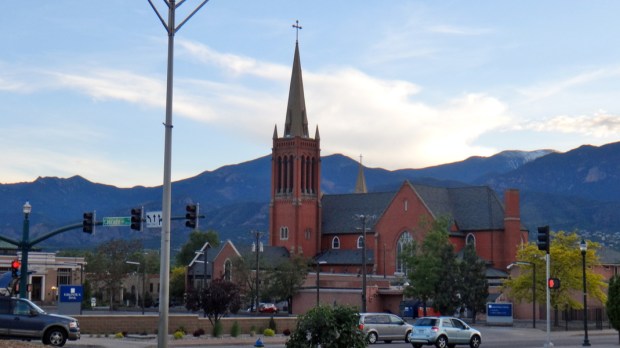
(117, 221)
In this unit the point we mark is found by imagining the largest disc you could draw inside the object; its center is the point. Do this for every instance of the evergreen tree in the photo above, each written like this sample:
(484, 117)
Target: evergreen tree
(474, 288)
(613, 304)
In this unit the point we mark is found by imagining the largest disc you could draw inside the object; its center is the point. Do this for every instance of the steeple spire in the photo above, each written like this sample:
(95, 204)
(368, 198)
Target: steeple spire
(296, 124)
(360, 185)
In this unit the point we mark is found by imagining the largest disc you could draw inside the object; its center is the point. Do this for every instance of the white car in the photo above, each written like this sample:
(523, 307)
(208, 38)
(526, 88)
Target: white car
(443, 332)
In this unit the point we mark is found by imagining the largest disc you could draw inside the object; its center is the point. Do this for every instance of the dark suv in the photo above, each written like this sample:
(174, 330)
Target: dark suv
(20, 318)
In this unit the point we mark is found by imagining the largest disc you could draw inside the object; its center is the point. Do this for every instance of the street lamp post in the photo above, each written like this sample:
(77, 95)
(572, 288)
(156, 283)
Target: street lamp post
(257, 248)
(364, 219)
(533, 286)
(25, 245)
(318, 284)
(583, 246)
(143, 276)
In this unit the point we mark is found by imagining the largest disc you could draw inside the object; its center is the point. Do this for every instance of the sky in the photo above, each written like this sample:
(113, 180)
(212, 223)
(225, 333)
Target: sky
(405, 83)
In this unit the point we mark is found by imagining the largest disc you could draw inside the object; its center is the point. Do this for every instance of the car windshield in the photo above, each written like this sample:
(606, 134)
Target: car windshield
(426, 322)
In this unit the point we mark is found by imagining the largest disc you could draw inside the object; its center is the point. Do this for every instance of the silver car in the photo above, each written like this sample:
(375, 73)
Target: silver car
(443, 332)
(384, 327)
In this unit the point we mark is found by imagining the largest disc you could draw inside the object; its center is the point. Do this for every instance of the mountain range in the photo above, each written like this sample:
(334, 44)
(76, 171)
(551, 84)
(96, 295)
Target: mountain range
(574, 190)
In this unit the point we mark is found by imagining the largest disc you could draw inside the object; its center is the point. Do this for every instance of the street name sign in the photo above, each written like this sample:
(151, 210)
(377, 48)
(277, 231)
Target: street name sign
(117, 221)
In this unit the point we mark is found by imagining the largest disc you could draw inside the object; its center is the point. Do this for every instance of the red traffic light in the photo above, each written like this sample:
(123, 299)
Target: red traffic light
(554, 283)
(15, 264)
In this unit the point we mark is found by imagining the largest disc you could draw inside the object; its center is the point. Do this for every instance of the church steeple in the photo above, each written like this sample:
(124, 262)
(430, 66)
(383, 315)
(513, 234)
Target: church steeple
(360, 185)
(296, 120)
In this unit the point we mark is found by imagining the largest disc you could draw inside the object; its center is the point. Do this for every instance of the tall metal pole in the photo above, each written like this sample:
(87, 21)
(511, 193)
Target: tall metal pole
(533, 295)
(548, 344)
(164, 276)
(584, 248)
(25, 246)
(363, 217)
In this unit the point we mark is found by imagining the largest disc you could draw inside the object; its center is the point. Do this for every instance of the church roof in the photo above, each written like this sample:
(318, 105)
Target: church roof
(345, 257)
(270, 257)
(472, 208)
(296, 124)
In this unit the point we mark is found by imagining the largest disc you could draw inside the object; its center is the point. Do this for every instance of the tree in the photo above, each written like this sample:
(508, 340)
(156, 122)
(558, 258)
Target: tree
(217, 298)
(107, 265)
(195, 241)
(432, 268)
(336, 327)
(566, 266)
(286, 279)
(613, 303)
(177, 282)
(474, 288)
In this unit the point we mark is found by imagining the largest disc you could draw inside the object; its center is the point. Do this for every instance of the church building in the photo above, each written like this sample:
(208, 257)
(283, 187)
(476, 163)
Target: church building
(355, 239)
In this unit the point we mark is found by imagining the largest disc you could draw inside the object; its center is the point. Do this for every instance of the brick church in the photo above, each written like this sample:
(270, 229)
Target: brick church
(329, 228)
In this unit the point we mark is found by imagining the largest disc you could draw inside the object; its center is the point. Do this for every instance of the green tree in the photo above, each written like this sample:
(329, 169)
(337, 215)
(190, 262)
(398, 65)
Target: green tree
(195, 241)
(565, 265)
(474, 288)
(336, 327)
(613, 304)
(107, 266)
(432, 268)
(216, 299)
(286, 279)
(177, 282)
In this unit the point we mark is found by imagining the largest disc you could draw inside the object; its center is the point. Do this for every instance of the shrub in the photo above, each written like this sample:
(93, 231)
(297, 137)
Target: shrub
(286, 332)
(272, 324)
(199, 332)
(329, 327)
(269, 333)
(217, 329)
(181, 329)
(235, 330)
(252, 331)
(119, 335)
(178, 335)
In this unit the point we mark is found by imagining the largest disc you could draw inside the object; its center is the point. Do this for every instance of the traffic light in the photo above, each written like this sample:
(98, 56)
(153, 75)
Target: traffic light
(191, 216)
(15, 265)
(88, 223)
(554, 283)
(136, 219)
(543, 238)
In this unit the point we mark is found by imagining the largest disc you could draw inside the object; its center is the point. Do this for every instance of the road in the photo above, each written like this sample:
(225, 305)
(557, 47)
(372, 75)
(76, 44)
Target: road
(495, 337)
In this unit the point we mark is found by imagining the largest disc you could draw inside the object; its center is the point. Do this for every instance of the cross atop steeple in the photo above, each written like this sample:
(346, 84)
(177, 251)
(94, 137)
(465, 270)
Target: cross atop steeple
(297, 27)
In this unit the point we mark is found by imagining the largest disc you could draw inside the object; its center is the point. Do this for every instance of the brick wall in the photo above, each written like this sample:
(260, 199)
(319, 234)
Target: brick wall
(138, 324)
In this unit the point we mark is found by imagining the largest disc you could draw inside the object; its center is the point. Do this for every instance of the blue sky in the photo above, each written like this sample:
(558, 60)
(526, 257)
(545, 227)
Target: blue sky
(406, 83)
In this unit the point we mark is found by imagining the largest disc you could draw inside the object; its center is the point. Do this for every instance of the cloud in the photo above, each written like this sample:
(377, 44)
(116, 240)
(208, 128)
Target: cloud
(454, 30)
(601, 124)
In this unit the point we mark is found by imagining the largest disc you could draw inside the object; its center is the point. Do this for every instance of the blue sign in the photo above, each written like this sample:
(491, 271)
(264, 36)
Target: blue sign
(499, 309)
(70, 293)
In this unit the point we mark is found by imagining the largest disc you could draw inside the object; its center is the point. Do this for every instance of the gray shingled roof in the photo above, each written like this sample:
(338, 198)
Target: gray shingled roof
(270, 257)
(339, 211)
(472, 208)
(345, 257)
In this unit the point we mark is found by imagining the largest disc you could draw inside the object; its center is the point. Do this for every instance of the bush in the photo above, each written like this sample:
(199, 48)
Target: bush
(178, 335)
(286, 332)
(199, 332)
(181, 329)
(269, 333)
(119, 335)
(217, 329)
(272, 324)
(252, 331)
(330, 327)
(235, 330)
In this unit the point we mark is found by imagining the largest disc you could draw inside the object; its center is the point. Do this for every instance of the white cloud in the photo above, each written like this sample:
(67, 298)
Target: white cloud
(600, 124)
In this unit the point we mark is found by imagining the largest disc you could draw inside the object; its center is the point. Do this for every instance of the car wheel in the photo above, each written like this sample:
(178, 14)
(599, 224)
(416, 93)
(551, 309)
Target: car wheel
(407, 336)
(388, 341)
(55, 337)
(442, 342)
(475, 341)
(372, 338)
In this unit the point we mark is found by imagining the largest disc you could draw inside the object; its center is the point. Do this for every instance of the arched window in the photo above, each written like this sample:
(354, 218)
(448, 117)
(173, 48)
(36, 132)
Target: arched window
(336, 243)
(283, 233)
(404, 240)
(360, 242)
(228, 270)
(470, 240)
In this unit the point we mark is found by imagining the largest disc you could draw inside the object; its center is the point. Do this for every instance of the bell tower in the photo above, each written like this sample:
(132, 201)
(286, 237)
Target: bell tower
(295, 176)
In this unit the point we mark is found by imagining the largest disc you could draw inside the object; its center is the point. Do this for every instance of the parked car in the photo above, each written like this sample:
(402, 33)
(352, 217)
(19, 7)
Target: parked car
(20, 318)
(384, 327)
(268, 308)
(443, 332)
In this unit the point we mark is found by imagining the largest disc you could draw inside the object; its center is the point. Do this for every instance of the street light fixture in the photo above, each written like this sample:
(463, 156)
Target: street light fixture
(533, 286)
(583, 246)
(25, 245)
(318, 284)
(143, 281)
(257, 248)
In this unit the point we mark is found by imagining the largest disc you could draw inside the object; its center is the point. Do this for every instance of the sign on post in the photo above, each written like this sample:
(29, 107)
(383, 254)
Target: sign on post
(116, 221)
(153, 219)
